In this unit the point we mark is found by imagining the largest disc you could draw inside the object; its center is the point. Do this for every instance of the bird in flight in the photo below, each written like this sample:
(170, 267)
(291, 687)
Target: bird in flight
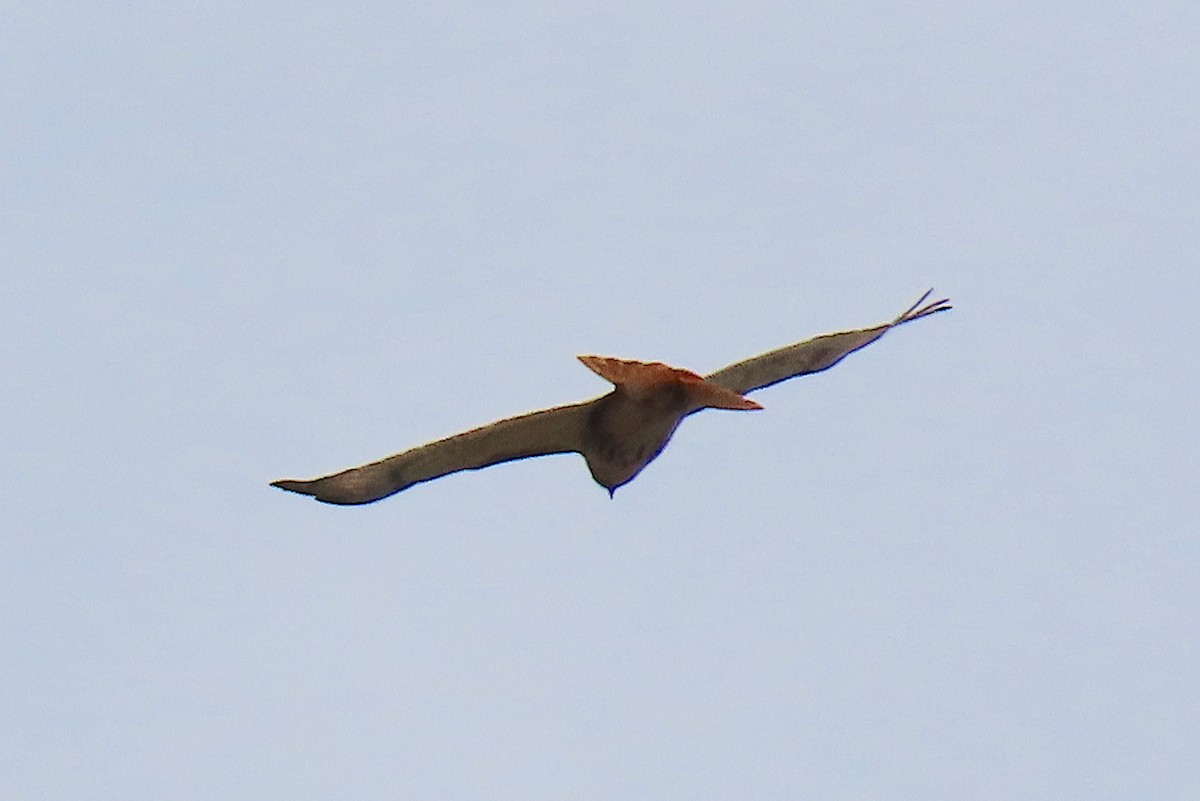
(618, 434)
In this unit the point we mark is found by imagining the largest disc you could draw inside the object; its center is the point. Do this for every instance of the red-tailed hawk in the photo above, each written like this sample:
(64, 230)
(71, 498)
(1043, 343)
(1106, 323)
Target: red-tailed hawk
(618, 433)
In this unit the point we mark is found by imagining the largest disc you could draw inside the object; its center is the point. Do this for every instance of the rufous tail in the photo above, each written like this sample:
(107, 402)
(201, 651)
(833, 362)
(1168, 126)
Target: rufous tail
(638, 376)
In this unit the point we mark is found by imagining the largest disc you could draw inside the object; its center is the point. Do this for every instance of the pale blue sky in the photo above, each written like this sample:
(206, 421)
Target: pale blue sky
(245, 241)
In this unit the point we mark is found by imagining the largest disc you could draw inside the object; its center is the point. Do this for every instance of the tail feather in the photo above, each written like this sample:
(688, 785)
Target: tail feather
(639, 376)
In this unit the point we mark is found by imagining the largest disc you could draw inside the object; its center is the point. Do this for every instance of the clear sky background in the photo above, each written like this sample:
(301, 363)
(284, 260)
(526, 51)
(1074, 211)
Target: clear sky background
(246, 241)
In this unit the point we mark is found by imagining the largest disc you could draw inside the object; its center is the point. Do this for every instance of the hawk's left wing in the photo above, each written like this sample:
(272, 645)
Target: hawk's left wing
(557, 430)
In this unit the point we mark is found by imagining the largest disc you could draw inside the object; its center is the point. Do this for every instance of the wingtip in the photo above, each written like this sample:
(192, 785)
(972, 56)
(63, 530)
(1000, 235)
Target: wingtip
(292, 485)
(341, 489)
(922, 309)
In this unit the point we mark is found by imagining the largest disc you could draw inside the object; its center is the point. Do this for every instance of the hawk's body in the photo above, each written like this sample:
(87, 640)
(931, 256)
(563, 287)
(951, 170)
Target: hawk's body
(618, 433)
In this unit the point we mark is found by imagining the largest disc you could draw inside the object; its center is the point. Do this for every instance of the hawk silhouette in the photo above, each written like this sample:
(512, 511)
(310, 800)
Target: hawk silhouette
(618, 434)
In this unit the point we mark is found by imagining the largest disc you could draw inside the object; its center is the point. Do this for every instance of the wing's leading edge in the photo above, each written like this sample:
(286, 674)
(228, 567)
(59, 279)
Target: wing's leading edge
(813, 355)
(557, 430)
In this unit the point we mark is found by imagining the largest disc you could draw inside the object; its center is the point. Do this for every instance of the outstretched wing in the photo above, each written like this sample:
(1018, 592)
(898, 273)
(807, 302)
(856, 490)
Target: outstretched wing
(557, 430)
(814, 355)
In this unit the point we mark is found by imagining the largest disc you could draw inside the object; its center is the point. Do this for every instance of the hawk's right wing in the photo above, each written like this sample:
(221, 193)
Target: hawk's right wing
(813, 355)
